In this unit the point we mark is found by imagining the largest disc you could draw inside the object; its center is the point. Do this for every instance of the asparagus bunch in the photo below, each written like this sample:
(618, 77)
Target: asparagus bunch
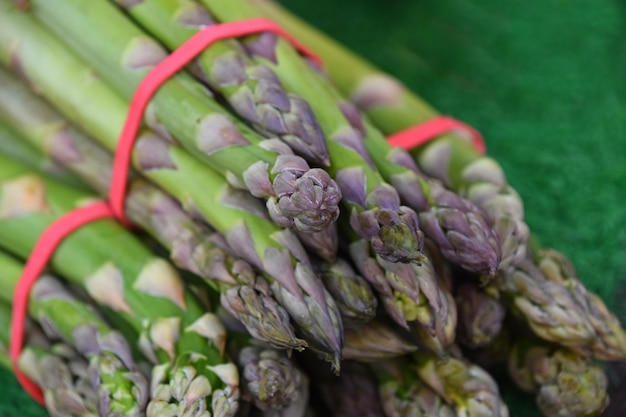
(460, 241)
(168, 324)
(244, 224)
(238, 209)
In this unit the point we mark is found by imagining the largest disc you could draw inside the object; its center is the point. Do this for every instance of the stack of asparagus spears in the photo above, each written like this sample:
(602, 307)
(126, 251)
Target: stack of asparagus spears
(287, 260)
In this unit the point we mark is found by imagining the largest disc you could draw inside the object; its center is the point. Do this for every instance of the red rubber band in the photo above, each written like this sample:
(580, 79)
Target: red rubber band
(57, 231)
(39, 257)
(159, 74)
(418, 135)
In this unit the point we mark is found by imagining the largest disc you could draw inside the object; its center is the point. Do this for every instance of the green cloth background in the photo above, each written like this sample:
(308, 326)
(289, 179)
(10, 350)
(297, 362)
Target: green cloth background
(544, 81)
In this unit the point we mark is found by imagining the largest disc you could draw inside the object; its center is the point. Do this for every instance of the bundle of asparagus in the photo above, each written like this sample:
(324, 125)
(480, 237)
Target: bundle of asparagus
(290, 225)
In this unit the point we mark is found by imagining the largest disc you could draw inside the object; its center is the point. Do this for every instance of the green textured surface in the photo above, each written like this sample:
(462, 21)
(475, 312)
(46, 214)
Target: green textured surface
(543, 81)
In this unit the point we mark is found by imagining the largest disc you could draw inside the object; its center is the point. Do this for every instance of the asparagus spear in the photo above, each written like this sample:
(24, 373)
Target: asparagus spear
(481, 180)
(61, 373)
(272, 381)
(122, 275)
(566, 384)
(404, 394)
(609, 341)
(12, 146)
(410, 294)
(480, 316)
(252, 90)
(548, 307)
(120, 386)
(470, 389)
(297, 196)
(393, 108)
(456, 225)
(244, 224)
(191, 243)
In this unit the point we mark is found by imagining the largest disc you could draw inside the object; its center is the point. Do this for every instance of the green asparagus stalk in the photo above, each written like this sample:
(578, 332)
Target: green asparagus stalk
(609, 341)
(190, 242)
(465, 386)
(12, 146)
(242, 220)
(393, 108)
(118, 382)
(481, 316)
(61, 373)
(375, 341)
(404, 394)
(297, 196)
(118, 272)
(252, 90)
(566, 384)
(548, 307)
